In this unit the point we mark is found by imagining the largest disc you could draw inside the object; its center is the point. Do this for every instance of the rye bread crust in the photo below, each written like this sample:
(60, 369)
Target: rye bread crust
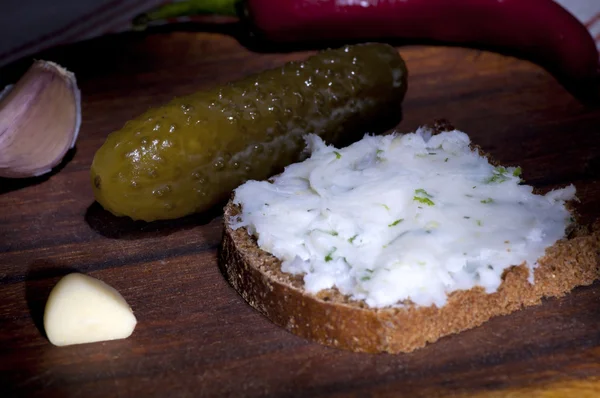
(333, 319)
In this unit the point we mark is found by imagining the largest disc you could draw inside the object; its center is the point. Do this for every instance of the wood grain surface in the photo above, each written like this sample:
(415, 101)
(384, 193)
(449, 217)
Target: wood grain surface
(195, 336)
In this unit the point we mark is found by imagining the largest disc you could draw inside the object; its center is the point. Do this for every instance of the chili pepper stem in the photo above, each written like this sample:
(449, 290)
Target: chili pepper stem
(186, 8)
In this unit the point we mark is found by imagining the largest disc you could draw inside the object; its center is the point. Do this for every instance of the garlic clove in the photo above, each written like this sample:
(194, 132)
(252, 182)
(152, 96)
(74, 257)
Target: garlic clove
(40, 118)
(82, 309)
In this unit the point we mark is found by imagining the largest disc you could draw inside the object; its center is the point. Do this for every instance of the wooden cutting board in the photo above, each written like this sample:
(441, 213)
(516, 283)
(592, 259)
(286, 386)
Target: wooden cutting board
(195, 335)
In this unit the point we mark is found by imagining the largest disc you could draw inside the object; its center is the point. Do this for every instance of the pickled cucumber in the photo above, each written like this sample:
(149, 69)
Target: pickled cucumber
(189, 154)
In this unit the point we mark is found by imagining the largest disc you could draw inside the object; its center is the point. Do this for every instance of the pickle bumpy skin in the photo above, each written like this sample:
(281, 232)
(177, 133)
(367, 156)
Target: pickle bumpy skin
(189, 154)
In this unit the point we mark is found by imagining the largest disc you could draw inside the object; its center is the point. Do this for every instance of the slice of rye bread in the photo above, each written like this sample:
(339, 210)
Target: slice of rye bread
(336, 320)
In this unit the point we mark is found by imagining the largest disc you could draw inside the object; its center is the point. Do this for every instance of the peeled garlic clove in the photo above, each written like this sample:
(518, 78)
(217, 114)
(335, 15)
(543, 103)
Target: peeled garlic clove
(82, 309)
(40, 118)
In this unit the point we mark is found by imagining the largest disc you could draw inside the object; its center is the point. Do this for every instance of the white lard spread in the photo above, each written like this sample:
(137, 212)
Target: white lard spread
(399, 218)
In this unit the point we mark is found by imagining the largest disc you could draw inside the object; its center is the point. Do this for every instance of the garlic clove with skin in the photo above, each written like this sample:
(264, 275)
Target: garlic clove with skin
(40, 118)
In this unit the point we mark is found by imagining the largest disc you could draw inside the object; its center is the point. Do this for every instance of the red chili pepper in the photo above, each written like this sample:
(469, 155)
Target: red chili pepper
(539, 30)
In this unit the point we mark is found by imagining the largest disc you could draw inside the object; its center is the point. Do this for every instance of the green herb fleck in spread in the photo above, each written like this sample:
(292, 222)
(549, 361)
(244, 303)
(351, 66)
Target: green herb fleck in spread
(496, 178)
(426, 201)
(422, 192)
(398, 221)
(517, 172)
(368, 276)
(329, 255)
(351, 240)
(488, 200)
(328, 232)
(424, 198)
(337, 154)
(499, 175)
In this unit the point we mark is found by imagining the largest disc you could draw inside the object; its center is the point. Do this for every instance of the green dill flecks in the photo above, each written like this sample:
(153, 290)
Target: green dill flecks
(499, 175)
(379, 152)
(432, 153)
(398, 221)
(328, 232)
(488, 200)
(445, 160)
(426, 201)
(421, 191)
(496, 178)
(367, 276)
(422, 196)
(329, 255)
(517, 172)
(479, 223)
(351, 240)
(337, 154)
(385, 206)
